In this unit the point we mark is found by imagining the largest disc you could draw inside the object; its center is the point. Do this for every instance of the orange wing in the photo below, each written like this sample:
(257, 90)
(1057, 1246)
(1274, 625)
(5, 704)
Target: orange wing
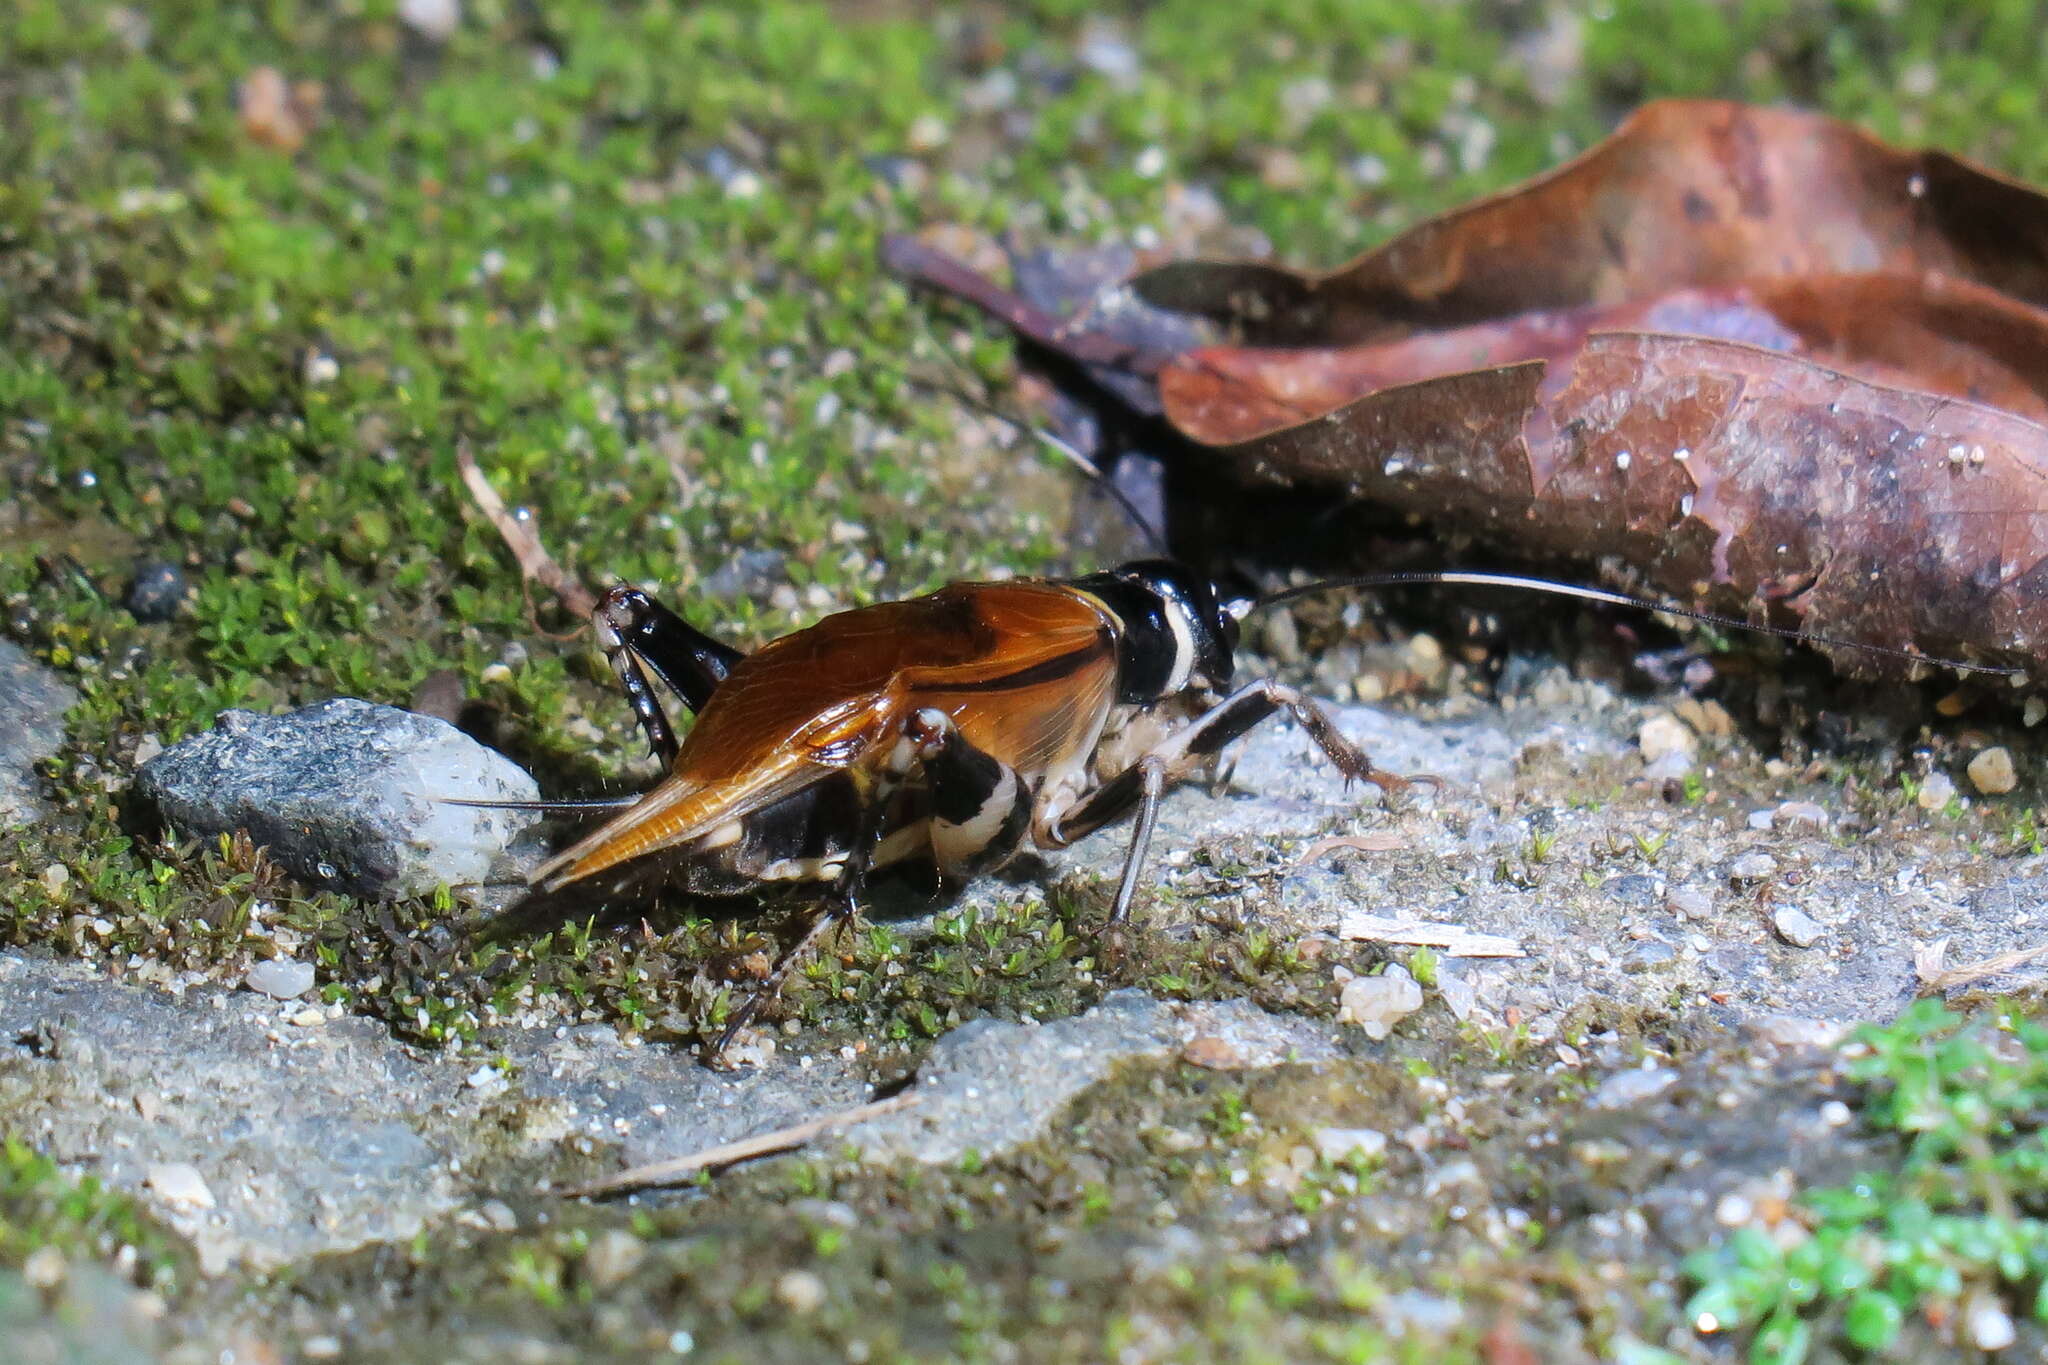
(1025, 667)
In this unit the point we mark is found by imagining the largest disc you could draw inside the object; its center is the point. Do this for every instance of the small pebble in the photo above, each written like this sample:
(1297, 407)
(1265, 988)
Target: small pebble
(1212, 1052)
(1688, 902)
(54, 878)
(801, 1292)
(1991, 772)
(1752, 867)
(179, 1182)
(1991, 1327)
(1377, 1003)
(44, 1269)
(1796, 927)
(1800, 813)
(156, 592)
(1342, 1144)
(435, 19)
(1664, 734)
(280, 978)
(1626, 1088)
(613, 1257)
(1937, 791)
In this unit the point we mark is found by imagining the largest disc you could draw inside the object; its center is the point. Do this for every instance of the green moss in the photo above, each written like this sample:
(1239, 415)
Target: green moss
(1955, 1221)
(41, 1207)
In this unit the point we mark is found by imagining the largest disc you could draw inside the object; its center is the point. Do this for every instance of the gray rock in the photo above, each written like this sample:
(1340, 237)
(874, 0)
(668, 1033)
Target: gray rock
(92, 1318)
(33, 701)
(989, 1086)
(158, 590)
(303, 1139)
(343, 793)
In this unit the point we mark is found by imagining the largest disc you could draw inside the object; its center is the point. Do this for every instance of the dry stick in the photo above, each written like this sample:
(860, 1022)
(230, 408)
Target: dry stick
(534, 561)
(727, 1154)
(1935, 980)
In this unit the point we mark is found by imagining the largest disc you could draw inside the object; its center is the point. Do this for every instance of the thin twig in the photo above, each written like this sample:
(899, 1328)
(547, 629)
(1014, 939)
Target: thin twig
(1453, 940)
(535, 562)
(1935, 978)
(1384, 842)
(746, 1149)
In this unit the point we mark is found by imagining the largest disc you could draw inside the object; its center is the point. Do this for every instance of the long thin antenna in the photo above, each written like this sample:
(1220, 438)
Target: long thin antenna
(1065, 449)
(570, 803)
(1476, 579)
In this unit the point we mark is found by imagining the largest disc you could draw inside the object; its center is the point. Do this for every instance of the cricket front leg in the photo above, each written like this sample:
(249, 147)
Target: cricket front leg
(1141, 785)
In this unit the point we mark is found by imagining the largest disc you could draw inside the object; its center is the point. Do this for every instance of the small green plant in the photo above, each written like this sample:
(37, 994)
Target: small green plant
(2025, 833)
(1952, 1224)
(41, 1207)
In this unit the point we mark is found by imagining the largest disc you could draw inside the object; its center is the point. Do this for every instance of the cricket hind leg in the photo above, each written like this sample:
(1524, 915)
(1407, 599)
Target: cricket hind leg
(927, 740)
(1141, 786)
(980, 806)
(980, 810)
(634, 629)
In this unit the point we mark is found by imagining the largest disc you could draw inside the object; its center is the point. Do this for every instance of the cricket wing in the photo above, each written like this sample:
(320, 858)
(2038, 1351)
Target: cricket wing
(681, 814)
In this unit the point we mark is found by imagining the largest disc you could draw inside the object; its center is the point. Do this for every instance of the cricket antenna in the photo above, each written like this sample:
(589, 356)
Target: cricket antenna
(1155, 539)
(574, 803)
(1472, 578)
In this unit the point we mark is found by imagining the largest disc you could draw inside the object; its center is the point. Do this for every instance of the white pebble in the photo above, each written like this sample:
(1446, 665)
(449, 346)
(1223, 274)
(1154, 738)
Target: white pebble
(179, 1182)
(1990, 1325)
(436, 19)
(1937, 791)
(1992, 773)
(1340, 1144)
(613, 1257)
(801, 1292)
(280, 978)
(1796, 927)
(1664, 734)
(1377, 1003)
(44, 1269)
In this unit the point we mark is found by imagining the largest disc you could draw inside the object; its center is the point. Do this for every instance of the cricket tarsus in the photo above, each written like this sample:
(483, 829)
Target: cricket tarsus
(829, 914)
